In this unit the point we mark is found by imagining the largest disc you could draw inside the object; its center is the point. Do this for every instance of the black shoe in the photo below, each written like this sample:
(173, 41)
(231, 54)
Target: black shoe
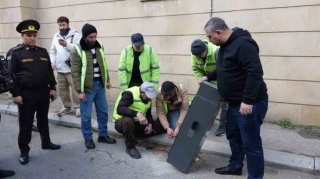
(221, 130)
(133, 153)
(90, 144)
(6, 173)
(106, 140)
(51, 146)
(34, 128)
(226, 171)
(24, 159)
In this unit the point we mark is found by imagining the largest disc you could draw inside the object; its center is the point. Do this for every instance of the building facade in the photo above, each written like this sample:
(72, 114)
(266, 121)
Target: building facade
(287, 32)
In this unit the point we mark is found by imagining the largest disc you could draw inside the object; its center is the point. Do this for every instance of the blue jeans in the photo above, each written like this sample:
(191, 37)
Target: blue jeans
(243, 133)
(173, 117)
(98, 97)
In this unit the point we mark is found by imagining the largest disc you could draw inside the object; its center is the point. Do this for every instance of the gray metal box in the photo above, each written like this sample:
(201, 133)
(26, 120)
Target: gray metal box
(196, 126)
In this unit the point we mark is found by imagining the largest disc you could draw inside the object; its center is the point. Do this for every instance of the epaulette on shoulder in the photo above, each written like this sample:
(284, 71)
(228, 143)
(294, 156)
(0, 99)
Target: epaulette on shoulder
(41, 48)
(16, 48)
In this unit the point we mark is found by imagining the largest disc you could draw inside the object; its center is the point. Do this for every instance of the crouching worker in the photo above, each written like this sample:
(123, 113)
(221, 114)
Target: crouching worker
(172, 105)
(132, 116)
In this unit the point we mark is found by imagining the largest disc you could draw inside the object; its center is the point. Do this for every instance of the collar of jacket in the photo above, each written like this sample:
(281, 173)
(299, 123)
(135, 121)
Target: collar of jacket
(71, 32)
(84, 45)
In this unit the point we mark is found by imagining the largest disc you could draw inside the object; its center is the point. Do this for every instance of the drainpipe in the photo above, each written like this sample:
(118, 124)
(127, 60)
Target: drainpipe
(211, 8)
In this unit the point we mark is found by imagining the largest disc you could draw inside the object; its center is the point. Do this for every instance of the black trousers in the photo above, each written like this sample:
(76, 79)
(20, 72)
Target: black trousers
(33, 100)
(132, 129)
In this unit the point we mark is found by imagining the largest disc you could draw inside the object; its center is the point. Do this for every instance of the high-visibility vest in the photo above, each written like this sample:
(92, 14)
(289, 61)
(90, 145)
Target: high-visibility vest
(146, 67)
(82, 55)
(137, 104)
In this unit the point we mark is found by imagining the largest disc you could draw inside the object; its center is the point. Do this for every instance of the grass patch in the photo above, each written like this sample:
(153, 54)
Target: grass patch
(285, 123)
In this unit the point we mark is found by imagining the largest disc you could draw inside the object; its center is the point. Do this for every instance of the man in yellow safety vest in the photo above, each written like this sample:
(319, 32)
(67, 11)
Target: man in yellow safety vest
(138, 64)
(132, 116)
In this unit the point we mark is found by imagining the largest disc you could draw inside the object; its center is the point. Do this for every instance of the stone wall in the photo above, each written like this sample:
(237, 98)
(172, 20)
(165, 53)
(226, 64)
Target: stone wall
(287, 32)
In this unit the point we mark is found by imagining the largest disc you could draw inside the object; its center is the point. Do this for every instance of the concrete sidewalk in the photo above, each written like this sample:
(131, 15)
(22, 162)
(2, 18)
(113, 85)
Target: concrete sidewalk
(284, 147)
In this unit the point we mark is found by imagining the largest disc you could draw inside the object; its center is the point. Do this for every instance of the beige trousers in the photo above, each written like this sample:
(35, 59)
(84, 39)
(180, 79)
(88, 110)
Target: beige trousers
(64, 82)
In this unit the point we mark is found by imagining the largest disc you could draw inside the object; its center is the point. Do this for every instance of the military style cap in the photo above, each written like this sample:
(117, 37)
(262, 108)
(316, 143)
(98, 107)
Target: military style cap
(28, 26)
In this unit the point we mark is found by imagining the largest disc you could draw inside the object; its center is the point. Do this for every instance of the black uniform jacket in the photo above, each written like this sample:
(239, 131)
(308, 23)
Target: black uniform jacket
(31, 68)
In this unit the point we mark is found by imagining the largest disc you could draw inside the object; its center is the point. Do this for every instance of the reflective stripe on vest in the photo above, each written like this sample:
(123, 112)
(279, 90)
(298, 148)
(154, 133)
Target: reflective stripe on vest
(137, 104)
(145, 67)
(82, 55)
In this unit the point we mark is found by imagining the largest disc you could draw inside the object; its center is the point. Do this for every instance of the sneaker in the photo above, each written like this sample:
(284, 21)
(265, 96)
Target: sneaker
(221, 130)
(78, 113)
(64, 111)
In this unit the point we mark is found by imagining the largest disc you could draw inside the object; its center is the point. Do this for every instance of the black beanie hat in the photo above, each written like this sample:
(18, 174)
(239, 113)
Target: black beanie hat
(198, 47)
(167, 87)
(87, 29)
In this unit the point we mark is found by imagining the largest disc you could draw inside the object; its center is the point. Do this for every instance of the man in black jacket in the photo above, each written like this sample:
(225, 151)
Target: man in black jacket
(240, 83)
(8, 57)
(33, 86)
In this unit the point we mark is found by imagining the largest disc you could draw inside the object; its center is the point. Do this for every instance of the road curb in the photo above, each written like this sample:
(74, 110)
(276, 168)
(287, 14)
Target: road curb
(271, 156)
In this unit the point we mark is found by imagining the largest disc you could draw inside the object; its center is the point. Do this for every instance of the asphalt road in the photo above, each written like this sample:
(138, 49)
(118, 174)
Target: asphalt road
(107, 161)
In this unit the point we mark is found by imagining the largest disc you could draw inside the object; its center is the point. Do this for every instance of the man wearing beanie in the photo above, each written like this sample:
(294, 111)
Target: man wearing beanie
(90, 75)
(203, 61)
(138, 64)
(132, 116)
(172, 105)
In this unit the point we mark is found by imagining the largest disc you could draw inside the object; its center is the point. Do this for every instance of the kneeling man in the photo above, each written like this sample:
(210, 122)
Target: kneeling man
(172, 105)
(132, 116)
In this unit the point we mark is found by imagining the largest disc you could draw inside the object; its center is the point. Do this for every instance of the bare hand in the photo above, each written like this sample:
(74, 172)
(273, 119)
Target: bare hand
(63, 43)
(53, 94)
(202, 79)
(108, 86)
(170, 133)
(148, 129)
(18, 100)
(143, 120)
(82, 97)
(53, 67)
(176, 131)
(245, 109)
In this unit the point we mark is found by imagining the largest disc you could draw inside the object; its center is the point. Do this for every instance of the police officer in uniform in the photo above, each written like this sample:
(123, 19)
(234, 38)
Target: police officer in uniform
(34, 85)
(8, 57)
